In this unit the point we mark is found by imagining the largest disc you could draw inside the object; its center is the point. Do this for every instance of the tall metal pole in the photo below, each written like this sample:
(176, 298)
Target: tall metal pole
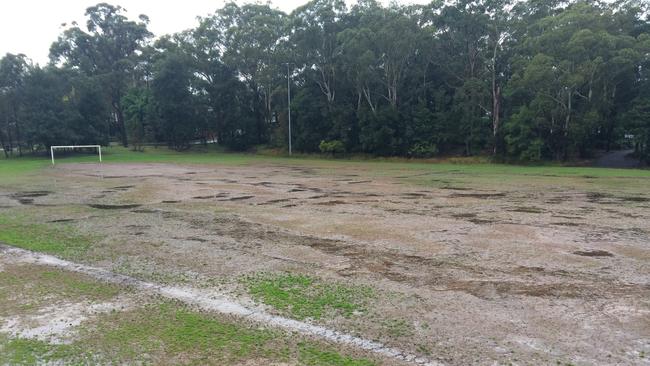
(289, 105)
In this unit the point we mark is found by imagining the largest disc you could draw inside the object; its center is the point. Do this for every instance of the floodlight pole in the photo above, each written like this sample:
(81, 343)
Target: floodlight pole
(289, 105)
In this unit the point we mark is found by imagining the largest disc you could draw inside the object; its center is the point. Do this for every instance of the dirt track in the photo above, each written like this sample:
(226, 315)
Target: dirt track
(527, 274)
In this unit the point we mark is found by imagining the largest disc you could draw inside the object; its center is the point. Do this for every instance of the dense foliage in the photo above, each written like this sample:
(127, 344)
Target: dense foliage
(528, 80)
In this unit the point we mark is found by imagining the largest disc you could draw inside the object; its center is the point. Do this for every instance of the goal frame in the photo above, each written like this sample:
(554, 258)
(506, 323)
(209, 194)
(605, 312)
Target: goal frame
(52, 148)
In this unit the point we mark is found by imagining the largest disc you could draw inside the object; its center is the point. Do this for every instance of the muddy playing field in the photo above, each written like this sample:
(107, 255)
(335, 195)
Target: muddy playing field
(453, 267)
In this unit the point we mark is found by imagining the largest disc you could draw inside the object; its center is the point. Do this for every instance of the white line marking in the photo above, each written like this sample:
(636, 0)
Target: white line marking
(217, 303)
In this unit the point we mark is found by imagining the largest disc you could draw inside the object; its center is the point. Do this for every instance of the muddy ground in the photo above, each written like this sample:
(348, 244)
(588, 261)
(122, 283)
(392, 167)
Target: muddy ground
(533, 270)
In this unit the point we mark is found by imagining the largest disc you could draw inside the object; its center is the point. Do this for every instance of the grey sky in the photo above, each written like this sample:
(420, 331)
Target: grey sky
(30, 26)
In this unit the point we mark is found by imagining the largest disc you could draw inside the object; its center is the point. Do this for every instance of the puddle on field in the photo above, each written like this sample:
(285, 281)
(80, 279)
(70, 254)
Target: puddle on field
(331, 203)
(464, 215)
(61, 220)
(274, 201)
(240, 198)
(477, 195)
(27, 197)
(101, 206)
(593, 253)
(122, 188)
(525, 209)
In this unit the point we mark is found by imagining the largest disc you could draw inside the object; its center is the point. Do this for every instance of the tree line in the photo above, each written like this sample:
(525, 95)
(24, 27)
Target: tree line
(526, 80)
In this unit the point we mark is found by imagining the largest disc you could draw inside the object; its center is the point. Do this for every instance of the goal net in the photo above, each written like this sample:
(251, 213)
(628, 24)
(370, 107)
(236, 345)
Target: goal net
(72, 147)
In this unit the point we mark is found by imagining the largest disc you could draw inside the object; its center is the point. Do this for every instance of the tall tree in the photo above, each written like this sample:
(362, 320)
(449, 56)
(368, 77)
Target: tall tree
(13, 70)
(175, 102)
(107, 50)
(249, 36)
(314, 31)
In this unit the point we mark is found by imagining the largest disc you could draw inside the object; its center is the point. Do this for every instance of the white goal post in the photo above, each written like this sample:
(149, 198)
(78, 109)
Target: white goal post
(99, 149)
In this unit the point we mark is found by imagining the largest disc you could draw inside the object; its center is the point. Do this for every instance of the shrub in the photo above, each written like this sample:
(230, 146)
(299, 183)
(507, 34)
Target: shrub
(331, 147)
(423, 150)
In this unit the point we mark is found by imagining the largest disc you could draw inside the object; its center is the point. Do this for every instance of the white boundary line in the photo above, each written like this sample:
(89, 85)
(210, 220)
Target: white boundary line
(218, 303)
(99, 148)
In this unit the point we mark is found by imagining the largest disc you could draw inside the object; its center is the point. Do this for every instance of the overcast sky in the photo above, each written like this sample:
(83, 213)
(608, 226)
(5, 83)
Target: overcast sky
(30, 26)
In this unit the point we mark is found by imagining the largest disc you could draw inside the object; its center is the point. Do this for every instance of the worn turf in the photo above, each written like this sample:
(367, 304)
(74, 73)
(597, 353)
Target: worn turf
(303, 296)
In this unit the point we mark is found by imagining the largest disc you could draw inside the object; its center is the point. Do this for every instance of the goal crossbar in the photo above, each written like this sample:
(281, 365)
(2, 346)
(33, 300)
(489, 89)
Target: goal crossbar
(52, 148)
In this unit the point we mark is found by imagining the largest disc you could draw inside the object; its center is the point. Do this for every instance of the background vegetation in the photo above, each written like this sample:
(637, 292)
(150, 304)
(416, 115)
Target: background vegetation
(527, 80)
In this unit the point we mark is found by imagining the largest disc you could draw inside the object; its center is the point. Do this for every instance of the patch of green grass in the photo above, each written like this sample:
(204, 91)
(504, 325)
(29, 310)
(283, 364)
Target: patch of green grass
(173, 331)
(15, 167)
(26, 287)
(214, 155)
(311, 355)
(23, 232)
(158, 333)
(305, 297)
(32, 352)
(76, 285)
(118, 154)
(424, 349)
(397, 328)
(172, 334)
(449, 173)
(151, 272)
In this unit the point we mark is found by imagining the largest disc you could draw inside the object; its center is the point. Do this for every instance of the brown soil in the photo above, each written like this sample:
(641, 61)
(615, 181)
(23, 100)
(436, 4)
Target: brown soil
(479, 276)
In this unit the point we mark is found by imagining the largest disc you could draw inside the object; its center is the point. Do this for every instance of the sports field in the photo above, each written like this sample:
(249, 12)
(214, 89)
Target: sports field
(214, 258)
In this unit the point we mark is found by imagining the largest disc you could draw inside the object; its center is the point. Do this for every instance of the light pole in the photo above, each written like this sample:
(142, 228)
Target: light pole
(289, 104)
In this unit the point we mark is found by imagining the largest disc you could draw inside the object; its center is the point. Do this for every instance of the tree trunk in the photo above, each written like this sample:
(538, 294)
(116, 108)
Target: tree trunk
(10, 140)
(2, 143)
(15, 111)
(496, 119)
(358, 101)
(366, 93)
(121, 126)
(567, 121)
(259, 116)
(496, 100)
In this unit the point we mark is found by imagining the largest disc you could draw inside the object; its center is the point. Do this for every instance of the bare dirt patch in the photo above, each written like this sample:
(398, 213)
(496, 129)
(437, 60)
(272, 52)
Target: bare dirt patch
(445, 256)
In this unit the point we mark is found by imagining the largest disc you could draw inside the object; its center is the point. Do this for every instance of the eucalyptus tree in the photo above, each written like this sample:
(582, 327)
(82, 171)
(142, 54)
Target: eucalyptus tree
(250, 37)
(398, 42)
(175, 101)
(359, 63)
(13, 70)
(580, 65)
(225, 96)
(463, 55)
(314, 30)
(381, 48)
(499, 38)
(530, 79)
(63, 106)
(108, 49)
(140, 116)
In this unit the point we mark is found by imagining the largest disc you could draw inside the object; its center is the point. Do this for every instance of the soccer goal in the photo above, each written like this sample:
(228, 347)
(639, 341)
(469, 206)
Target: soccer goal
(98, 147)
